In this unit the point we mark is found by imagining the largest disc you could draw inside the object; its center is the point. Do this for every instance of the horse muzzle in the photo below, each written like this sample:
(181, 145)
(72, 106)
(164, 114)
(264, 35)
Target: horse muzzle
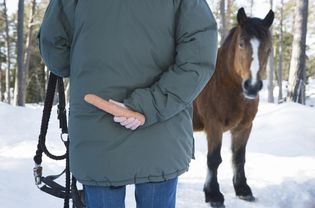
(251, 90)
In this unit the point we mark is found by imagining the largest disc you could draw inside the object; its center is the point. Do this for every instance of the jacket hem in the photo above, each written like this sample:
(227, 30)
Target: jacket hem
(135, 180)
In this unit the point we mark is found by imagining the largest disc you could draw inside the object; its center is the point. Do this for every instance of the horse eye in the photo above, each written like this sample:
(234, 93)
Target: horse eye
(242, 44)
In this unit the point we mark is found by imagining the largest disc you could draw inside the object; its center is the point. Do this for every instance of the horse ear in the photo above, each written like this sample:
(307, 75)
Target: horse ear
(241, 16)
(269, 18)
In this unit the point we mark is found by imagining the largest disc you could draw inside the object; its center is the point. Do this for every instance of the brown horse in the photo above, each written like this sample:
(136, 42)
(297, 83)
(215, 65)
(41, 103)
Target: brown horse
(230, 100)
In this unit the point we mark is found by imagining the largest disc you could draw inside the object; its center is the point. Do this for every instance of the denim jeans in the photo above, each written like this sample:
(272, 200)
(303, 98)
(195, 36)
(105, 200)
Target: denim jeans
(148, 195)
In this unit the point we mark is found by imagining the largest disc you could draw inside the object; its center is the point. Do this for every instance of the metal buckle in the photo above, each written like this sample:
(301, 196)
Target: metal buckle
(38, 170)
(62, 139)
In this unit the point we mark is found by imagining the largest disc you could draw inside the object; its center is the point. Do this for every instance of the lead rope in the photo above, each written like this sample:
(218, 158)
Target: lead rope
(62, 116)
(51, 187)
(41, 147)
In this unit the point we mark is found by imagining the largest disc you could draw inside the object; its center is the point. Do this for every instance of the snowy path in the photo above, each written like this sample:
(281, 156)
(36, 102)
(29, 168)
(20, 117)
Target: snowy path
(280, 161)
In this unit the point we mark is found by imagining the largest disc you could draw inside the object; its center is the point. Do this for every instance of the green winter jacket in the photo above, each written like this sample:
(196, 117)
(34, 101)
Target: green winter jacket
(155, 56)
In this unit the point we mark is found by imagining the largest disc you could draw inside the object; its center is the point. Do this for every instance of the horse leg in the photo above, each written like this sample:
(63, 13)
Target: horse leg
(197, 120)
(211, 187)
(240, 137)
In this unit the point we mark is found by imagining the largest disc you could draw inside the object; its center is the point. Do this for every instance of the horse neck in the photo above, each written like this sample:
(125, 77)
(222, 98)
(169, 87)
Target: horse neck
(225, 69)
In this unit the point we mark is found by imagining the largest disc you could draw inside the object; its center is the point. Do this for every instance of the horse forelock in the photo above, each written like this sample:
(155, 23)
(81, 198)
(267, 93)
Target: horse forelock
(252, 28)
(255, 28)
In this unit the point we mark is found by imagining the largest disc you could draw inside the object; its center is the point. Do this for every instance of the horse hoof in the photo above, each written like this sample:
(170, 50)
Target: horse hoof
(217, 204)
(249, 198)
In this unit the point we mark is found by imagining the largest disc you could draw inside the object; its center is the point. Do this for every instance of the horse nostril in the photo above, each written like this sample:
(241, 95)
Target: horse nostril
(247, 84)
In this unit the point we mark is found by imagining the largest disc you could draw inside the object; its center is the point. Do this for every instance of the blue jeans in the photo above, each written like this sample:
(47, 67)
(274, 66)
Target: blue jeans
(148, 195)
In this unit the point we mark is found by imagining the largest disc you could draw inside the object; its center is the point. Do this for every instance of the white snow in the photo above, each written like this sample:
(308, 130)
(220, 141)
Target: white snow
(280, 157)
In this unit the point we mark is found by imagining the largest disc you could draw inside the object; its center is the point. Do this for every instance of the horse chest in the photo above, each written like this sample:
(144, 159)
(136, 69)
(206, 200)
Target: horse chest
(222, 105)
(232, 111)
(237, 115)
(232, 119)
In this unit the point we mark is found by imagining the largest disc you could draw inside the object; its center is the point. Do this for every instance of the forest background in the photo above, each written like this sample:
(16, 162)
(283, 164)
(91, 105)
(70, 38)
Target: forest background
(23, 75)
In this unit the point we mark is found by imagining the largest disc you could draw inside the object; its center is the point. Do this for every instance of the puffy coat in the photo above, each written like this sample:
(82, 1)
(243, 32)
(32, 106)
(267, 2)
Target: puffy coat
(155, 56)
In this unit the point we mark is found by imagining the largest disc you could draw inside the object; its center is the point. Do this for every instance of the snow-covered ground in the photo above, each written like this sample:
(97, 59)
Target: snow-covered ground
(280, 160)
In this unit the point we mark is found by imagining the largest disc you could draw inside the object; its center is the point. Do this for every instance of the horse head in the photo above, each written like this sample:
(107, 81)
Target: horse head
(252, 48)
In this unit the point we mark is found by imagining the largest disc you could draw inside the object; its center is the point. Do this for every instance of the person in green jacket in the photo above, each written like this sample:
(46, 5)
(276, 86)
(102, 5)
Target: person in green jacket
(150, 56)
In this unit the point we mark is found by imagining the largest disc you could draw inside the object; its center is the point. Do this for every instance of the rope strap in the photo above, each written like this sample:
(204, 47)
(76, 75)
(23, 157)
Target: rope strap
(50, 186)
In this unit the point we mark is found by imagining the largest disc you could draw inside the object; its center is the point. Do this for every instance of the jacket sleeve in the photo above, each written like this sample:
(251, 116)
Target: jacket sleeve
(196, 51)
(55, 36)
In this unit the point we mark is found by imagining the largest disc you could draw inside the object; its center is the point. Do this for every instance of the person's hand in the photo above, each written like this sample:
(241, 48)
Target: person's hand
(129, 123)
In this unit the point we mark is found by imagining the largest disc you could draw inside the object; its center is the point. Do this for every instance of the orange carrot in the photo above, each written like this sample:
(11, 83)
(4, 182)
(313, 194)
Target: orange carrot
(112, 108)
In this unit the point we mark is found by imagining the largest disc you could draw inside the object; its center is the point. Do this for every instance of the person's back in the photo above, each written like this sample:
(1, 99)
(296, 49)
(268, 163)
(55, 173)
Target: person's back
(153, 56)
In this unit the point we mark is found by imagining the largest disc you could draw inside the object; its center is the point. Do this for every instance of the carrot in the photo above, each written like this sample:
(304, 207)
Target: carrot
(112, 108)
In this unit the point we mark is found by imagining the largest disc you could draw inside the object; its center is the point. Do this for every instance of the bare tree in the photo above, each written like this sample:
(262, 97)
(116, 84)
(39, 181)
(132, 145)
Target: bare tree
(228, 15)
(7, 44)
(29, 38)
(0, 78)
(270, 69)
(225, 18)
(297, 75)
(223, 29)
(280, 52)
(19, 90)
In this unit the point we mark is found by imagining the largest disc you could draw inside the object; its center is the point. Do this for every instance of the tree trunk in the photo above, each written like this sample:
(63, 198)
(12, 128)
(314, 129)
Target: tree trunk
(270, 69)
(297, 76)
(28, 47)
(251, 7)
(280, 63)
(0, 81)
(225, 17)
(223, 29)
(7, 45)
(228, 15)
(19, 93)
